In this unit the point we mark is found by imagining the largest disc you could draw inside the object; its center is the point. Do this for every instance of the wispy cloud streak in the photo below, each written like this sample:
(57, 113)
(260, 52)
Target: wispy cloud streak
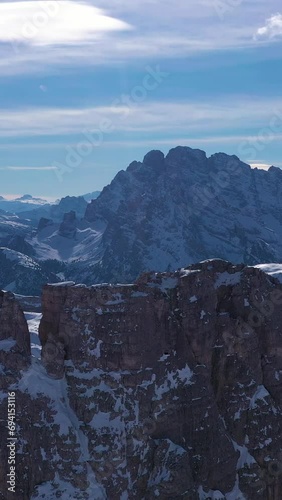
(157, 116)
(23, 168)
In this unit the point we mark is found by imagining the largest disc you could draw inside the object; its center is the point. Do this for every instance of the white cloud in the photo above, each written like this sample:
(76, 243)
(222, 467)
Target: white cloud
(54, 22)
(272, 28)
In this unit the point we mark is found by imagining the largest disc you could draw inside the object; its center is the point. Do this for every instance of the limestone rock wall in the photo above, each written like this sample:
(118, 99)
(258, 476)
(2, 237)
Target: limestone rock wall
(168, 388)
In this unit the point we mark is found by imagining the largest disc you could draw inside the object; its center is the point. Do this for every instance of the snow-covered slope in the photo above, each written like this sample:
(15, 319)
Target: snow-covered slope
(33, 321)
(20, 273)
(13, 231)
(274, 270)
(84, 246)
(12, 224)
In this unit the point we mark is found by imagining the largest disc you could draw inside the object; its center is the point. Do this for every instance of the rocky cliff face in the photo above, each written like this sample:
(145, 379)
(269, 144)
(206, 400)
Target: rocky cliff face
(14, 336)
(68, 226)
(15, 354)
(168, 388)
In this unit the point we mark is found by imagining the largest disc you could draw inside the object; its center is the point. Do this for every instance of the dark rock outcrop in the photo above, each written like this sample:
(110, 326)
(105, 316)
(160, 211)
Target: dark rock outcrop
(68, 226)
(43, 223)
(14, 337)
(15, 354)
(70, 203)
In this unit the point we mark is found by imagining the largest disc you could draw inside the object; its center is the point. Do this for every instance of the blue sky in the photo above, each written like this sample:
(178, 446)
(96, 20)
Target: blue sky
(87, 87)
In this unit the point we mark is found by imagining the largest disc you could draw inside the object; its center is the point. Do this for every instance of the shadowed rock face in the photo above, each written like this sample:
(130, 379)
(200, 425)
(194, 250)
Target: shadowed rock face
(168, 388)
(14, 356)
(14, 336)
(68, 226)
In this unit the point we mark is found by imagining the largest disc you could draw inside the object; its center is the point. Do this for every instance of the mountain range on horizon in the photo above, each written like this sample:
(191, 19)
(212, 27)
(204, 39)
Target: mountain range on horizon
(160, 214)
(26, 202)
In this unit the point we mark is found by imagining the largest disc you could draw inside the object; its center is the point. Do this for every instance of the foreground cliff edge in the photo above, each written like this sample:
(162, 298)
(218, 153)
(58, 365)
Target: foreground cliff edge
(169, 388)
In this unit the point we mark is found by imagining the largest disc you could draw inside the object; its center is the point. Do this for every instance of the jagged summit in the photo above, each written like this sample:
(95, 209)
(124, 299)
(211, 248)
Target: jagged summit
(25, 197)
(182, 154)
(275, 170)
(178, 160)
(154, 158)
(178, 157)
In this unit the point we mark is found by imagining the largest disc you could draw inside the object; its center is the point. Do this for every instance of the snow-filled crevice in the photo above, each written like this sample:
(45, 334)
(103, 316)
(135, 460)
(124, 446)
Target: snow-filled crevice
(33, 321)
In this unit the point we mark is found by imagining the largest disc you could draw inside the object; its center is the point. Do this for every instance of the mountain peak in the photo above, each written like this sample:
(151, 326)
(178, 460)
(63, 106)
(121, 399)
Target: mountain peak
(275, 170)
(181, 154)
(154, 158)
(221, 155)
(24, 197)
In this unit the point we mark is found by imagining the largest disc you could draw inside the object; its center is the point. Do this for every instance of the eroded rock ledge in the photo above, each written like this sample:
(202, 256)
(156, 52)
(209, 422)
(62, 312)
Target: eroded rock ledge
(167, 388)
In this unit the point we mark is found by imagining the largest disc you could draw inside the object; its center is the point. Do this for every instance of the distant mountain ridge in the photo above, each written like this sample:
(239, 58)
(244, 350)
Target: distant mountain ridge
(19, 269)
(18, 205)
(91, 196)
(167, 212)
(35, 208)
